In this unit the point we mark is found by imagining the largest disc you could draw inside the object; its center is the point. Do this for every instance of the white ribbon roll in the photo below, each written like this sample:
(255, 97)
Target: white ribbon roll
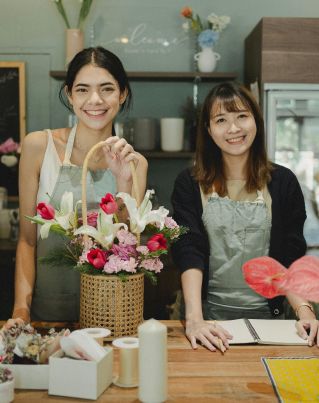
(128, 371)
(97, 333)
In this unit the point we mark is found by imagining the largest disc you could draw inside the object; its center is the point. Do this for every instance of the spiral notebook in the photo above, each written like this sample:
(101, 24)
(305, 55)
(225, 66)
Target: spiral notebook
(263, 331)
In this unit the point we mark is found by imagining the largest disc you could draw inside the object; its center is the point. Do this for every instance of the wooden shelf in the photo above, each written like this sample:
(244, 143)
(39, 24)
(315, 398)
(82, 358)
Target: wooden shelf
(164, 76)
(167, 154)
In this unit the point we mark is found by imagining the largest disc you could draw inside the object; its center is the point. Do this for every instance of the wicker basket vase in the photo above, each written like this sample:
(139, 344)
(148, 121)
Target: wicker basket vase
(108, 302)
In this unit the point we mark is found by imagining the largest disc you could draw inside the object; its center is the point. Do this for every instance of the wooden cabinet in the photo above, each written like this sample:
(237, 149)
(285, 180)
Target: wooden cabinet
(283, 50)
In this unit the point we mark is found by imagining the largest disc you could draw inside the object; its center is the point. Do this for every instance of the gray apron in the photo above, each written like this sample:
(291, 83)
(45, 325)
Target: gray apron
(57, 289)
(237, 231)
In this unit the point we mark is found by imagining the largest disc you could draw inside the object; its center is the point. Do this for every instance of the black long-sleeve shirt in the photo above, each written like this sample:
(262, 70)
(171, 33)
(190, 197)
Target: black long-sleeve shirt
(287, 242)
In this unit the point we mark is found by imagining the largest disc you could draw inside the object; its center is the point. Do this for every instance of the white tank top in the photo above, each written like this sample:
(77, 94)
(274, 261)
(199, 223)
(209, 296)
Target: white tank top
(51, 166)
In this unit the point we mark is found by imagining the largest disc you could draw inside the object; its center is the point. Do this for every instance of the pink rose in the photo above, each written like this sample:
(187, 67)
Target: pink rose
(97, 258)
(46, 211)
(108, 204)
(157, 242)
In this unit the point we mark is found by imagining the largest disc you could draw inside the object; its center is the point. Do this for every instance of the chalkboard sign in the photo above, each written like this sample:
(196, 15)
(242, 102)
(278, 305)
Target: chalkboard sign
(12, 101)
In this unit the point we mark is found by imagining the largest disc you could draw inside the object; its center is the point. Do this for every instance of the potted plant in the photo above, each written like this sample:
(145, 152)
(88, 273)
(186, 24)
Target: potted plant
(6, 385)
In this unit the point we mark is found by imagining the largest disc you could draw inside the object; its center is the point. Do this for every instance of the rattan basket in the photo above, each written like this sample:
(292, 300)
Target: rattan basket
(105, 300)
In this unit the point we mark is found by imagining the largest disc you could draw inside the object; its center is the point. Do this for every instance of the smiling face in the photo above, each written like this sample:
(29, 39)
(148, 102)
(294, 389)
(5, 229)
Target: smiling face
(96, 97)
(232, 131)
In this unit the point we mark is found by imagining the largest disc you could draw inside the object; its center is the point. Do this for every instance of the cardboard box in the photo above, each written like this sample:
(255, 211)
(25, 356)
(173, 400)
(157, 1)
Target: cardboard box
(33, 376)
(80, 378)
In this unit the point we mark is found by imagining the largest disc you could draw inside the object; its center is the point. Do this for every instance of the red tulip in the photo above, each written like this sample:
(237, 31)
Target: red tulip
(157, 242)
(108, 204)
(97, 258)
(265, 276)
(46, 211)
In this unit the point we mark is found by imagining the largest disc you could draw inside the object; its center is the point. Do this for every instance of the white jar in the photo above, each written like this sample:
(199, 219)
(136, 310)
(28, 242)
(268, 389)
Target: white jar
(172, 134)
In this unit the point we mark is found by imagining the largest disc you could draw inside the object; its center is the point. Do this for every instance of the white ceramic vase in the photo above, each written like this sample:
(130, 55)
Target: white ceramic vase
(207, 60)
(7, 392)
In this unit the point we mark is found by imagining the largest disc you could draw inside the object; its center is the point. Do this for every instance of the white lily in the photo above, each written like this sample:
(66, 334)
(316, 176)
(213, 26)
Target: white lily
(64, 218)
(143, 215)
(105, 230)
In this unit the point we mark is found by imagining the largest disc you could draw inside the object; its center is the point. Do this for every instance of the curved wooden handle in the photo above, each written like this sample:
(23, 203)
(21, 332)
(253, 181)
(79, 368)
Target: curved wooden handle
(136, 193)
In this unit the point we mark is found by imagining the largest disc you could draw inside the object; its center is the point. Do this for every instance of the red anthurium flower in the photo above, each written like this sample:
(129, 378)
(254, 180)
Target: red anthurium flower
(46, 211)
(303, 278)
(186, 12)
(108, 204)
(97, 258)
(265, 276)
(157, 242)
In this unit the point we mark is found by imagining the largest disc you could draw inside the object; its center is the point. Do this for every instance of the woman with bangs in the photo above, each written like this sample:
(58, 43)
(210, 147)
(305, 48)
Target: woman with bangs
(237, 205)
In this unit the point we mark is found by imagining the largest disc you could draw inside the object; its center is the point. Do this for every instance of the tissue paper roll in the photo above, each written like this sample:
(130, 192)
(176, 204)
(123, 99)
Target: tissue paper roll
(128, 372)
(97, 333)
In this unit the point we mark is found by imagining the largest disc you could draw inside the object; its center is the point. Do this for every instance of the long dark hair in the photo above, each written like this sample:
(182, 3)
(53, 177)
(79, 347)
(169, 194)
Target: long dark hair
(99, 57)
(208, 168)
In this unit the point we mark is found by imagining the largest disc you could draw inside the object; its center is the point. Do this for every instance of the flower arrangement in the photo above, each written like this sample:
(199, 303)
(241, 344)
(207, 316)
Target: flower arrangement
(269, 278)
(84, 11)
(105, 245)
(208, 33)
(9, 151)
(22, 341)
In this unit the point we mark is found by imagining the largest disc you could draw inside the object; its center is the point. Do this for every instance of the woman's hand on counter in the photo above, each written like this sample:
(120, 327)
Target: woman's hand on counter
(209, 334)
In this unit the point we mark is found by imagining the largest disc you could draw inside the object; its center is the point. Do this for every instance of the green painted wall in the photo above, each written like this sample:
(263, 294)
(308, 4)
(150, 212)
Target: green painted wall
(33, 31)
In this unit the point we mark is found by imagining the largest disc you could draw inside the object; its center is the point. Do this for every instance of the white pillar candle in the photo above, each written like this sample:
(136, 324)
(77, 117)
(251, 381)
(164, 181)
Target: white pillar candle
(152, 362)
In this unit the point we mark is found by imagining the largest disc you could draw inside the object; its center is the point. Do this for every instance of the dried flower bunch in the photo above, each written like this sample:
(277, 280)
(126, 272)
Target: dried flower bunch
(84, 11)
(5, 375)
(105, 245)
(208, 32)
(23, 341)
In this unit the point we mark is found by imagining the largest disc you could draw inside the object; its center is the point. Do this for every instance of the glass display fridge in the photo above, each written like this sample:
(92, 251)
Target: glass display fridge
(291, 114)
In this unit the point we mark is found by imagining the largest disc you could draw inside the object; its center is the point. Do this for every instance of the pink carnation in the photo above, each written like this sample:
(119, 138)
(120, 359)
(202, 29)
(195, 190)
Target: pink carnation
(126, 237)
(116, 264)
(152, 264)
(170, 223)
(143, 250)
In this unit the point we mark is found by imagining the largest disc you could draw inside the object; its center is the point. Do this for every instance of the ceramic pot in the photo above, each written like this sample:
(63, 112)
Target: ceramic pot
(207, 60)
(7, 392)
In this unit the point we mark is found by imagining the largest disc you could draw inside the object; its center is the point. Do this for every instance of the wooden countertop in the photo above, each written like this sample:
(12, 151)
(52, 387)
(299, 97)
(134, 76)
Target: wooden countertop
(199, 375)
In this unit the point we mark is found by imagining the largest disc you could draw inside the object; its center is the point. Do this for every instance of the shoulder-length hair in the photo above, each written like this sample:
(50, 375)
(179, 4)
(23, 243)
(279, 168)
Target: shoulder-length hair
(209, 169)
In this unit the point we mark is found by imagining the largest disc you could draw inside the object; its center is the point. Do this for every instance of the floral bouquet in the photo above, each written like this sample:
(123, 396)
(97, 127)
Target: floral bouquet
(22, 343)
(9, 151)
(105, 245)
(208, 32)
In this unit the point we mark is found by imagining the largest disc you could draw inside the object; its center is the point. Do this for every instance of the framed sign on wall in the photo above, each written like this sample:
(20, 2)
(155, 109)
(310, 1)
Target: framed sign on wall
(12, 101)
(12, 119)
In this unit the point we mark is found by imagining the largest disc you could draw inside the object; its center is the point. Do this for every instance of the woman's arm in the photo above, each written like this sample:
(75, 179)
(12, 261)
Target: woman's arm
(190, 254)
(307, 318)
(32, 153)
(209, 334)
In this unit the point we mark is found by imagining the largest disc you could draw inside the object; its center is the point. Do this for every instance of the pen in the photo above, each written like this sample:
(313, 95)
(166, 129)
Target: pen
(220, 345)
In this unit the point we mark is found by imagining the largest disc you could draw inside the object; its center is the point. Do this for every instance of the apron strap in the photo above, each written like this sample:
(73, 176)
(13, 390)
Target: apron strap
(69, 146)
